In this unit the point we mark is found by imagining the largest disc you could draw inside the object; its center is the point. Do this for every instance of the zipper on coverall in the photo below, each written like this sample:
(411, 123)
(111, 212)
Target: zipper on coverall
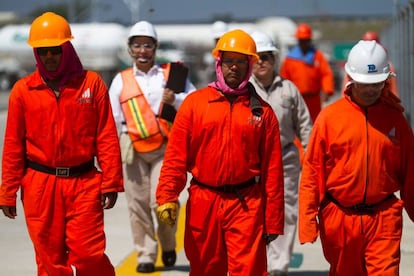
(237, 192)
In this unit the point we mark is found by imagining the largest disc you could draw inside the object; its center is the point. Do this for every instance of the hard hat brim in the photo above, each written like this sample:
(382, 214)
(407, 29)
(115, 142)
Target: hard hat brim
(364, 78)
(48, 42)
(268, 49)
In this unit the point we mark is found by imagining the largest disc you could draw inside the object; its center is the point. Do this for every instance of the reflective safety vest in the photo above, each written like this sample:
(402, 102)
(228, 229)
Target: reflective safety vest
(147, 130)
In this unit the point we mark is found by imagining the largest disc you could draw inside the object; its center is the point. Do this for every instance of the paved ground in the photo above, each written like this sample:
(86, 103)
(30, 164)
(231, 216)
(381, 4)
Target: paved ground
(17, 258)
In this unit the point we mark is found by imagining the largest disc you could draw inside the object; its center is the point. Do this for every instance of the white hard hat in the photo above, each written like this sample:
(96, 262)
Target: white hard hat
(264, 42)
(143, 28)
(367, 62)
(219, 28)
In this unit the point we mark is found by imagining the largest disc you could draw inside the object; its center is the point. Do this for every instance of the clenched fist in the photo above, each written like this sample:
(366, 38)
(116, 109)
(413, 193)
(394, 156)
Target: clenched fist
(167, 213)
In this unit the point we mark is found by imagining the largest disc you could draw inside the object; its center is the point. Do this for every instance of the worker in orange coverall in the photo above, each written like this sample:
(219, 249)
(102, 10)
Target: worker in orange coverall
(59, 119)
(361, 152)
(371, 35)
(228, 139)
(309, 70)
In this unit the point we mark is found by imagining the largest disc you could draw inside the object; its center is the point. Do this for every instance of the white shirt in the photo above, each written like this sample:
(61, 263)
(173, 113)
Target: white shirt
(152, 85)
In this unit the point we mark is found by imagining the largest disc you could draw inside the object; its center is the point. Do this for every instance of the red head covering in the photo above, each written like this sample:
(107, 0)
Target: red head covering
(70, 65)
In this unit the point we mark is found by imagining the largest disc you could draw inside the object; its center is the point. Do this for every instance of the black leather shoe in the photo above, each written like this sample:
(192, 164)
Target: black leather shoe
(169, 258)
(146, 268)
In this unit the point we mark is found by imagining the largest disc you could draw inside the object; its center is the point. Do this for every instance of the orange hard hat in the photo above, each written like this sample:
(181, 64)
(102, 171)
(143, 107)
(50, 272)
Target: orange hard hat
(304, 31)
(371, 35)
(236, 41)
(49, 30)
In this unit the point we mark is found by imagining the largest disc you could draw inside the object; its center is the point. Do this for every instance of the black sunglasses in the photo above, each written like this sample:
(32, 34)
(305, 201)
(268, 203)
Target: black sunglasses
(42, 51)
(265, 57)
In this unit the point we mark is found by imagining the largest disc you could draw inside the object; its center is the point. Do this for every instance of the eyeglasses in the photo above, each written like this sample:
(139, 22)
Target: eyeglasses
(42, 51)
(234, 61)
(265, 57)
(146, 46)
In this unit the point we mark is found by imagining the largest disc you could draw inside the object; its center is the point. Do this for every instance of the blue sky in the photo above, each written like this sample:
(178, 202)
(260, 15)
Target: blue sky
(182, 11)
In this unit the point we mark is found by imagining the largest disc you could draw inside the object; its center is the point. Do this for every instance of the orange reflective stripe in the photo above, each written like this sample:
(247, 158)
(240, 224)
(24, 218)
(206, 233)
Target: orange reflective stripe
(147, 132)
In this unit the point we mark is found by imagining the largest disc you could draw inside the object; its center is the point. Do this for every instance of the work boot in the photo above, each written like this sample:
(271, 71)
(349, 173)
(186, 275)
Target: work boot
(146, 268)
(169, 258)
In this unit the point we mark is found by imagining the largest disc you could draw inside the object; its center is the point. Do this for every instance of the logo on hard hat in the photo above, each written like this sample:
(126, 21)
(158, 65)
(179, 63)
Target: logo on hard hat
(372, 68)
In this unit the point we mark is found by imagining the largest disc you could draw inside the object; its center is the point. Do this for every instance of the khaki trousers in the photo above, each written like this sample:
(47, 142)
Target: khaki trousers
(141, 173)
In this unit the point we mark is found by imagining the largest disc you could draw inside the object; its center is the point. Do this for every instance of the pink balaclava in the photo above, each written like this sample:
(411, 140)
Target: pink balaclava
(220, 83)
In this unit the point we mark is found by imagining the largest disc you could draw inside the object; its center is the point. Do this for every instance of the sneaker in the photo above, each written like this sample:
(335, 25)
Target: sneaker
(169, 258)
(146, 268)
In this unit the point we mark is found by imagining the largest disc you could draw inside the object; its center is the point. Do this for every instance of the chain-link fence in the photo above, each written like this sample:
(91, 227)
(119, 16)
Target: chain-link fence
(399, 40)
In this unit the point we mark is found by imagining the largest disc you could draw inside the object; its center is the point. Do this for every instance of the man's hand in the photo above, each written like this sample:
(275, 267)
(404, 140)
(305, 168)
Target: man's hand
(167, 213)
(270, 237)
(9, 211)
(168, 96)
(108, 200)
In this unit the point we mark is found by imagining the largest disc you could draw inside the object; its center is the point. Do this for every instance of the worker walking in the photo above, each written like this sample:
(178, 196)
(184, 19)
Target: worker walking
(59, 121)
(309, 70)
(228, 139)
(361, 152)
(294, 120)
(144, 106)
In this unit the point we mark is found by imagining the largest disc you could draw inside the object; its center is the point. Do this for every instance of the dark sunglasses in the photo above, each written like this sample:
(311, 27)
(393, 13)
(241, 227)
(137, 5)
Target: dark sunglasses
(42, 51)
(265, 57)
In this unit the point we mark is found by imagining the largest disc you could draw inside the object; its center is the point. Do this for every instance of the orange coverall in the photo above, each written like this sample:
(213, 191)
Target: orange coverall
(358, 155)
(64, 216)
(222, 143)
(311, 74)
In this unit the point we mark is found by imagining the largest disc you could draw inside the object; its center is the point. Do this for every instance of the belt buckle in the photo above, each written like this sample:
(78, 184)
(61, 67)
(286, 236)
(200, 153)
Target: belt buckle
(62, 171)
(363, 208)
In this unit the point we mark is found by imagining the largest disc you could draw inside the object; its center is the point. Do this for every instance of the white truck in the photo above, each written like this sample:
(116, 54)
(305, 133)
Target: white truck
(98, 46)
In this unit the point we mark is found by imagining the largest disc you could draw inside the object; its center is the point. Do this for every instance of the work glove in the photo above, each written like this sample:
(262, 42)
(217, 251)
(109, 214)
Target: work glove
(167, 213)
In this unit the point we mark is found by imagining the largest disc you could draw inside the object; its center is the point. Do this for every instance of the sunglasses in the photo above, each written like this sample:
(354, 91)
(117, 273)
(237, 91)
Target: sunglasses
(42, 51)
(265, 57)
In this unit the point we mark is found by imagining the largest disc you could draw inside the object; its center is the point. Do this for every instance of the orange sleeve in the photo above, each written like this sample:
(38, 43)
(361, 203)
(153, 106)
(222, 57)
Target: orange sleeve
(107, 143)
(13, 163)
(311, 188)
(173, 176)
(407, 168)
(272, 175)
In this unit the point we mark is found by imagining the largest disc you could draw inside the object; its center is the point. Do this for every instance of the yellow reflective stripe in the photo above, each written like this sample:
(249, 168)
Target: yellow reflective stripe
(137, 116)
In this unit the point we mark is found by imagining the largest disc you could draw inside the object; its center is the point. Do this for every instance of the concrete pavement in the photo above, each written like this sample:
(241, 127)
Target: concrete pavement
(17, 257)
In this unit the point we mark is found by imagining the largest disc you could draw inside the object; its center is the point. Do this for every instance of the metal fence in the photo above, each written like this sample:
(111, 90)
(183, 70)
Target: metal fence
(398, 38)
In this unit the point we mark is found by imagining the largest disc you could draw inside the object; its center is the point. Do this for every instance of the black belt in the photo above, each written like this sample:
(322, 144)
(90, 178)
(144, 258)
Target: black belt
(360, 207)
(228, 188)
(63, 171)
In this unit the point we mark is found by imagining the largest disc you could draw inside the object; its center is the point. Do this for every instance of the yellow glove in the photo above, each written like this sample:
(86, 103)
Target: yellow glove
(167, 213)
